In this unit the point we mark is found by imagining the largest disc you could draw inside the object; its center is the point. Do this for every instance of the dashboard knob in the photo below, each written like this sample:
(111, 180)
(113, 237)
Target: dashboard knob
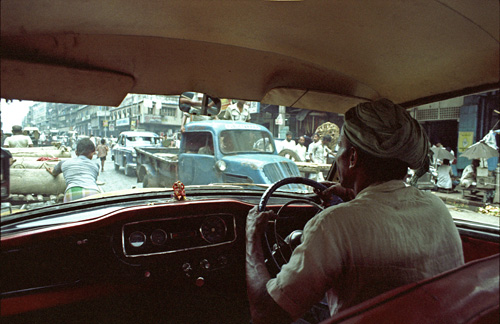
(186, 267)
(200, 281)
(205, 264)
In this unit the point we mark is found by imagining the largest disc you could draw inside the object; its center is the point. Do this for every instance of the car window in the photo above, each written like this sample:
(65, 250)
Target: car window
(196, 141)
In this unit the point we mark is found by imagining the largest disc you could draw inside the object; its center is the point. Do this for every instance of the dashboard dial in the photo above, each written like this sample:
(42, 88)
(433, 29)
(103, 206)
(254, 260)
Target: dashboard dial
(158, 237)
(137, 239)
(213, 229)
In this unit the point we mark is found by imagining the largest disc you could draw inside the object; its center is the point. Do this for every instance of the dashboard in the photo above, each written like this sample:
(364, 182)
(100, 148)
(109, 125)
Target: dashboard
(174, 249)
(140, 261)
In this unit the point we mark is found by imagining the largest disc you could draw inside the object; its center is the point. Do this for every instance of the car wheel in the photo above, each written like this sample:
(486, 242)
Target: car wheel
(289, 154)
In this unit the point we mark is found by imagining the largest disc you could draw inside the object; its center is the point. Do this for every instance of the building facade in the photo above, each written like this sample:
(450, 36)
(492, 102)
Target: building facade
(159, 114)
(460, 122)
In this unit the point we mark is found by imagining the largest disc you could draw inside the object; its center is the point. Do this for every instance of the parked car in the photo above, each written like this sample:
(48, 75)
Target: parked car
(123, 153)
(155, 255)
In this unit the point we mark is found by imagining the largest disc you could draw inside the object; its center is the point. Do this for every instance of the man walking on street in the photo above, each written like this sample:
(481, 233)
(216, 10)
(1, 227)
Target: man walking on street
(102, 152)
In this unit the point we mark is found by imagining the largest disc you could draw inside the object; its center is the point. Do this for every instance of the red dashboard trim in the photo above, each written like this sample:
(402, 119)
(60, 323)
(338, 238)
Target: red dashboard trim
(178, 208)
(21, 304)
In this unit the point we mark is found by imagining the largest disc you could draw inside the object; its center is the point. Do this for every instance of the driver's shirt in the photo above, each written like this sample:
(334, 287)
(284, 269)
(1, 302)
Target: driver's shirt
(390, 235)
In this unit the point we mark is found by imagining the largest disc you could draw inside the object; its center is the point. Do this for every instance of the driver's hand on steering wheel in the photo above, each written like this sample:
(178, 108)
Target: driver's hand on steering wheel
(336, 189)
(257, 222)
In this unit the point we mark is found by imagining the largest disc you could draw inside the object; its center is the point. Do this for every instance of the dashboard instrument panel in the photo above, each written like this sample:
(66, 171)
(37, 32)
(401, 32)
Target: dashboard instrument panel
(168, 235)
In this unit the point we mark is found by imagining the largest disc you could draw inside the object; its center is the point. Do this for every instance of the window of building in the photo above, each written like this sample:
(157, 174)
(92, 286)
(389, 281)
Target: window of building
(168, 110)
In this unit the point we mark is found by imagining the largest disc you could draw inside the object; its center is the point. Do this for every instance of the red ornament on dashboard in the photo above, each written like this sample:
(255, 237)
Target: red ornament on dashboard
(179, 192)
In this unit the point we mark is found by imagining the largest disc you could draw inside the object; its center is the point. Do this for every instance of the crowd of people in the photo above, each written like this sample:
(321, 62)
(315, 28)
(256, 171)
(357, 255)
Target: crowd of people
(316, 151)
(447, 180)
(80, 172)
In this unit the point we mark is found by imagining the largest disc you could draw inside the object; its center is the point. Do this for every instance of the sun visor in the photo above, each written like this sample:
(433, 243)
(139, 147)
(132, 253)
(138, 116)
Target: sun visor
(54, 83)
(308, 99)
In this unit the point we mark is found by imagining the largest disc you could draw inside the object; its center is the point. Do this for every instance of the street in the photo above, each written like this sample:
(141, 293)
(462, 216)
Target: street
(115, 180)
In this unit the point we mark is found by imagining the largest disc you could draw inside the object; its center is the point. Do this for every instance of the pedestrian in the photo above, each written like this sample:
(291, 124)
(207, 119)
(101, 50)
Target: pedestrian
(312, 147)
(191, 103)
(444, 174)
(469, 175)
(80, 173)
(301, 148)
(17, 139)
(319, 154)
(42, 139)
(102, 152)
(238, 111)
(288, 143)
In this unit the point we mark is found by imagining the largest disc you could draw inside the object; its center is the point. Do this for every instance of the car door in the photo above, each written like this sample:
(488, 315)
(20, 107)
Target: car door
(197, 163)
(118, 150)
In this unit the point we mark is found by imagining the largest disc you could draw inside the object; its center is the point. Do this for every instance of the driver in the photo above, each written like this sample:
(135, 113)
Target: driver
(390, 234)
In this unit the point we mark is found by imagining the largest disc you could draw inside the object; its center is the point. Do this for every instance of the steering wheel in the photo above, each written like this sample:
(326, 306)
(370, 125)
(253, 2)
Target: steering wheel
(276, 247)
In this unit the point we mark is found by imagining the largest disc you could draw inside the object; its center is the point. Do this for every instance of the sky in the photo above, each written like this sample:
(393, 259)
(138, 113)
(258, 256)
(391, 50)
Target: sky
(13, 113)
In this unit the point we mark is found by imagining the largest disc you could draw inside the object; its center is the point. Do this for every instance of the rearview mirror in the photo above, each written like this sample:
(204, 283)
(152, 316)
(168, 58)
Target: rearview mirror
(197, 103)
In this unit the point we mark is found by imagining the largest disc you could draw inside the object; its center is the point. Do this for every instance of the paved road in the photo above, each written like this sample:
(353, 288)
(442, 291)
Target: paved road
(116, 180)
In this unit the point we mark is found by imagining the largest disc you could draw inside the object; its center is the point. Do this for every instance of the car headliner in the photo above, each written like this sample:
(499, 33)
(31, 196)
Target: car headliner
(316, 54)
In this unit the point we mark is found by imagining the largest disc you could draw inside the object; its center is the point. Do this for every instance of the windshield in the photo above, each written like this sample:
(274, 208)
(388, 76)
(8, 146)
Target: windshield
(246, 141)
(142, 140)
(148, 142)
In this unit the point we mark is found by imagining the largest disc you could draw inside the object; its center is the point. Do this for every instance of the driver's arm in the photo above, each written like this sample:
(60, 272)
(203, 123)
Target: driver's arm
(262, 306)
(336, 189)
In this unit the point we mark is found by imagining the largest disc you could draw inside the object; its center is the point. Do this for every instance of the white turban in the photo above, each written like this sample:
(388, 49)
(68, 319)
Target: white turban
(386, 130)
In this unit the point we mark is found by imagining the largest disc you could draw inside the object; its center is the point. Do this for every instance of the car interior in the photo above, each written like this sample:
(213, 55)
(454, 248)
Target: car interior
(145, 257)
